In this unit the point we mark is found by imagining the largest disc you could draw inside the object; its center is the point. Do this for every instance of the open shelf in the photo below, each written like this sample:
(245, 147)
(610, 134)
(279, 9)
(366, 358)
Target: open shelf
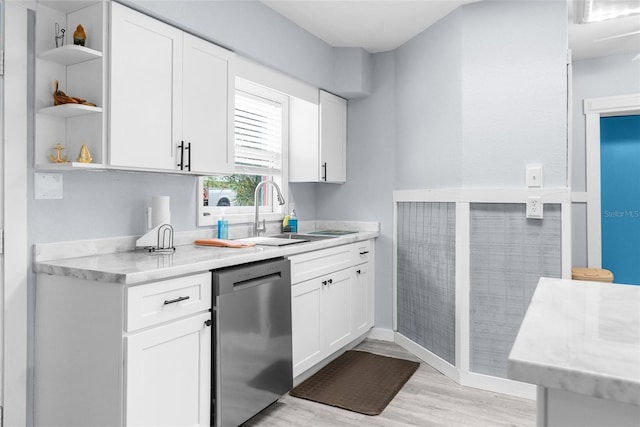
(70, 54)
(69, 166)
(70, 110)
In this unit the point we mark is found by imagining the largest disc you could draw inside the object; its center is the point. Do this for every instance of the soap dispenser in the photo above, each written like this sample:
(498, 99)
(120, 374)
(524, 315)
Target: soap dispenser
(223, 227)
(293, 221)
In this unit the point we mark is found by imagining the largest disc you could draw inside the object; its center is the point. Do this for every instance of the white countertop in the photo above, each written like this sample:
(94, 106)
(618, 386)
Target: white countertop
(137, 267)
(582, 337)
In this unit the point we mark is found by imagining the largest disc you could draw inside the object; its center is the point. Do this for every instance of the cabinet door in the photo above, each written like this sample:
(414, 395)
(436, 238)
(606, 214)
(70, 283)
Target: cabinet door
(333, 138)
(360, 300)
(303, 141)
(208, 91)
(145, 114)
(337, 309)
(307, 325)
(168, 374)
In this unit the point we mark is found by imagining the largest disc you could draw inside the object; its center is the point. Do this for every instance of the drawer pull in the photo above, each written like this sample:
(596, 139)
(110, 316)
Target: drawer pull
(173, 301)
(364, 253)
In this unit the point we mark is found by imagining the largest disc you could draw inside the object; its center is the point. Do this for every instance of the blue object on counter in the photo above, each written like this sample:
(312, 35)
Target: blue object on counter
(223, 228)
(293, 222)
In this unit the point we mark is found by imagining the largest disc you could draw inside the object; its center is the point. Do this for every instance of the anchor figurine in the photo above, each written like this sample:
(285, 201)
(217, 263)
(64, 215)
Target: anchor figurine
(58, 158)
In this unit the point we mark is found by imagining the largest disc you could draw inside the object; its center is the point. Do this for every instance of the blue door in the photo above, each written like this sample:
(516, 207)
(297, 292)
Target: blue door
(620, 197)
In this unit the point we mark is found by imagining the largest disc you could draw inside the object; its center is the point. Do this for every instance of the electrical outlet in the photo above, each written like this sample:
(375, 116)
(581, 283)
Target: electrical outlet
(534, 207)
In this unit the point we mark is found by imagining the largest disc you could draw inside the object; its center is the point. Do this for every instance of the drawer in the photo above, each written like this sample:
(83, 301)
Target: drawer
(159, 302)
(362, 252)
(317, 263)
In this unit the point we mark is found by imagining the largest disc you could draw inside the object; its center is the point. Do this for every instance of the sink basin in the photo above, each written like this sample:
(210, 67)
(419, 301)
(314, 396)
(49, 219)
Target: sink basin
(282, 239)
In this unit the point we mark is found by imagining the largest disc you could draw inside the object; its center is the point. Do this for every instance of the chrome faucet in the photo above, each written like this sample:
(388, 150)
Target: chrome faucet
(257, 227)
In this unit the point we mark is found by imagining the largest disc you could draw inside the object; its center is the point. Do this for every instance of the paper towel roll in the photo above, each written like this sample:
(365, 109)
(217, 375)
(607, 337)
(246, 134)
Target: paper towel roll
(161, 212)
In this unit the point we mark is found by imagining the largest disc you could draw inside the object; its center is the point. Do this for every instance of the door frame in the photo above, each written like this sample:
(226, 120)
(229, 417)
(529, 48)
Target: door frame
(14, 205)
(594, 109)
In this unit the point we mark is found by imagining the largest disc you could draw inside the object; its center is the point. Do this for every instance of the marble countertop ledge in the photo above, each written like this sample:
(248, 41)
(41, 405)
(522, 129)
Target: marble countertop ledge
(582, 337)
(115, 260)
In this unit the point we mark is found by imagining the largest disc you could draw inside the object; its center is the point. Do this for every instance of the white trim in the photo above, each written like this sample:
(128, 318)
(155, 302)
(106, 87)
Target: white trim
(483, 195)
(467, 379)
(463, 284)
(381, 334)
(394, 266)
(498, 385)
(594, 109)
(565, 239)
(433, 360)
(15, 213)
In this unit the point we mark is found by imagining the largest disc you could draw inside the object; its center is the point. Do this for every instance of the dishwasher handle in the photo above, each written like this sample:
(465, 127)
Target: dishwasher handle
(229, 287)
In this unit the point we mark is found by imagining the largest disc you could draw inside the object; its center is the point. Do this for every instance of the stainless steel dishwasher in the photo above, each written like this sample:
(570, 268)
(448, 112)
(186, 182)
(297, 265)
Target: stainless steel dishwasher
(252, 365)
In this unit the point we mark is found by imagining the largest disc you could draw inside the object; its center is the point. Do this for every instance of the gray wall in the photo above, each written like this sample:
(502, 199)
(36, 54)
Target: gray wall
(368, 193)
(593, 78)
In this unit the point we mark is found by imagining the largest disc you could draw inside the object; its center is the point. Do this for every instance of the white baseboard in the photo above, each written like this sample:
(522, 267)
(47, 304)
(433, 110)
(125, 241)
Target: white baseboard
(468, 379)
(381, 334)
(434, 361)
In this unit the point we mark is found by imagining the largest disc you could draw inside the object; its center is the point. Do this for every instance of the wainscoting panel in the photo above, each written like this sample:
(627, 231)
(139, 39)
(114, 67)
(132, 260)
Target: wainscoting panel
(426, 275)
(509, 253)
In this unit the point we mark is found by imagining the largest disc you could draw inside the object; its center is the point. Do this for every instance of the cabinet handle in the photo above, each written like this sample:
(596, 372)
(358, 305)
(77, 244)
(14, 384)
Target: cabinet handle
(359, 271)
(188, 166)
(181, 147)
(364, 253)
(324, 171)
(324, 282)
(330, 281)
(208, 322)
(173, 301)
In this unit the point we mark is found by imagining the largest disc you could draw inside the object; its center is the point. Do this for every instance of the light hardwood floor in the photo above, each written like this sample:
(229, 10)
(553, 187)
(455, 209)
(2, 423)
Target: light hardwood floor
(427, 399)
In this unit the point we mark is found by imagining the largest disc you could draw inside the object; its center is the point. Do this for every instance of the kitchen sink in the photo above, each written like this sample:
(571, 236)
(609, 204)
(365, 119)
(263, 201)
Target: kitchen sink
(282, 239)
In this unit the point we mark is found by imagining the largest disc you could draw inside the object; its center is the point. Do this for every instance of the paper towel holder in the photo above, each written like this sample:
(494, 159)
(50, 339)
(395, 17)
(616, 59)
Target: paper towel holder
(164, 239)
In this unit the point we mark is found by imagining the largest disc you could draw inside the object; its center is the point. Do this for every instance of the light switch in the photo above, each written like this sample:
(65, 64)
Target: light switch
(47, 186)
(534, 176)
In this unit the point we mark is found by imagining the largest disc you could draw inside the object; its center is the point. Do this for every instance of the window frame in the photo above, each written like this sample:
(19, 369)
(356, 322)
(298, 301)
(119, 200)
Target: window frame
(209, 215)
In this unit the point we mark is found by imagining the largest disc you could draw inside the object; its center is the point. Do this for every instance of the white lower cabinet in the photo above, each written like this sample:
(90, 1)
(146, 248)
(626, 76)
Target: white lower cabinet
(331, 309)
(111, 355)
(167, 372)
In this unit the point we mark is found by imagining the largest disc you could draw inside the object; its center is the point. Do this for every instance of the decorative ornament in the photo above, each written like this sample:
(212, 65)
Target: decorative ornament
(85, 155)
(59, 97)
(79, 36)
(58, 158)
(59, 35)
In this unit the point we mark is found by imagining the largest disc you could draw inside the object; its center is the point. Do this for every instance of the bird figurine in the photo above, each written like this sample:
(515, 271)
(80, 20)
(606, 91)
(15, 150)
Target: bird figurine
(79, 36)
(59, 97)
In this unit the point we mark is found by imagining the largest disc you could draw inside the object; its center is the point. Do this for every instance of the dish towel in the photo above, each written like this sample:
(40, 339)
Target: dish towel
(222, 243)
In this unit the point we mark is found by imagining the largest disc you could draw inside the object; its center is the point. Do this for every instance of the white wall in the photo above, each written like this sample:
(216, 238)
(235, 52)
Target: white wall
(593, 78)
(514, 88)
(429, 107)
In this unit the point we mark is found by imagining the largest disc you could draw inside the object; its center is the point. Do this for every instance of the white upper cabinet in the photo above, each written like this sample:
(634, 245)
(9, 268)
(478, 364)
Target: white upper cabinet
(145, 91)
(333, 138)
(208, 98)
(318, 139)
(171, 97)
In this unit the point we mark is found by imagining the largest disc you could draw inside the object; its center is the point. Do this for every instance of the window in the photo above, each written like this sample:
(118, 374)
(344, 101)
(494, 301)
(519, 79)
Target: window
(261, 134)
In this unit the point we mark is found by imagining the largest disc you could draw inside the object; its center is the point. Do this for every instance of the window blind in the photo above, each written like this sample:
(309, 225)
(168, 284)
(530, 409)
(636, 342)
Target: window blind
(258, 135)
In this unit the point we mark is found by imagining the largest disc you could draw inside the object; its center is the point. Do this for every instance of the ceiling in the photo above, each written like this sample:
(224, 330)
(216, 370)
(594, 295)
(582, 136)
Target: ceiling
(382, 25)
